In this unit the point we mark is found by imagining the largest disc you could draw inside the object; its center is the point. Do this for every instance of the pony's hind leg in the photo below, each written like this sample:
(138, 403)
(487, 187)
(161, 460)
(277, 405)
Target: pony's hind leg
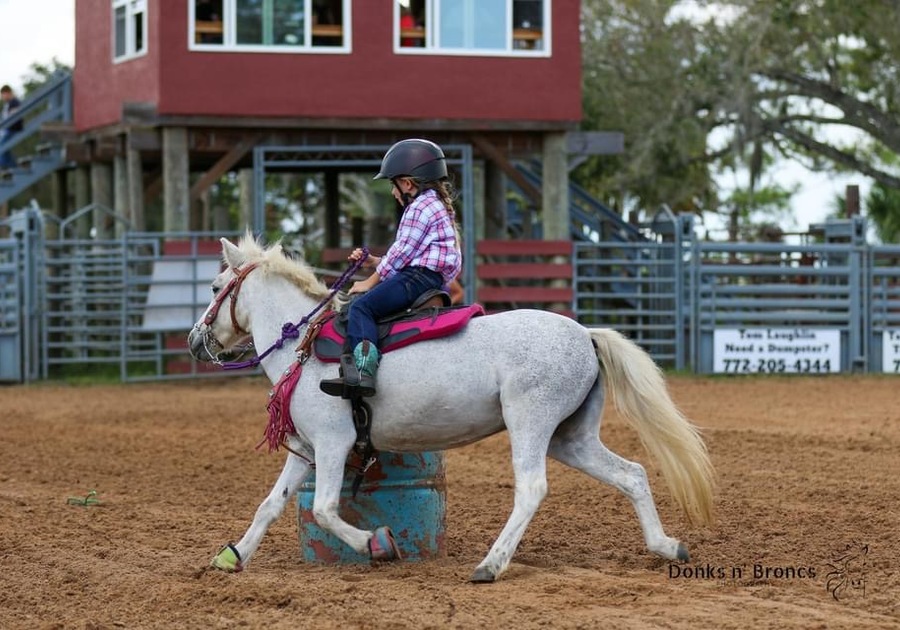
(236, 557)
(528, 440)
(576, 443)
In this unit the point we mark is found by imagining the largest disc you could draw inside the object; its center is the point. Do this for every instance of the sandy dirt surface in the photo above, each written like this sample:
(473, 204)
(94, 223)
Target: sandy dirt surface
(808, 490)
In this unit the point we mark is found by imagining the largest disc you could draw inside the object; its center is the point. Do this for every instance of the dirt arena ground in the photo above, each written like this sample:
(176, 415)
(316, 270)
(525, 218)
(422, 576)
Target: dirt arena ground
(808, 503)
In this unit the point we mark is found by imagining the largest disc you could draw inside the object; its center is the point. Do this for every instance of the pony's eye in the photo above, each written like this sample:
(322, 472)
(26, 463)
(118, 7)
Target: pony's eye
(215, 289)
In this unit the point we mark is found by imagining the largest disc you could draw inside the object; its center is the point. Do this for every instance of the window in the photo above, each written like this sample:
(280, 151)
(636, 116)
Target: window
(129, 29)
(270, 25)
(482, 27)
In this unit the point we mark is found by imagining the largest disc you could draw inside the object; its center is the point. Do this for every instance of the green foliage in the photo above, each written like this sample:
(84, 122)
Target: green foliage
(883, 208)
(639, 78)
(705, 87)
(41, 73)
(756, 212)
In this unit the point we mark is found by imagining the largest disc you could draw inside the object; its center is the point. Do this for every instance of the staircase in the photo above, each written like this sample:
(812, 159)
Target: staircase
(590, 220)
(49, 104)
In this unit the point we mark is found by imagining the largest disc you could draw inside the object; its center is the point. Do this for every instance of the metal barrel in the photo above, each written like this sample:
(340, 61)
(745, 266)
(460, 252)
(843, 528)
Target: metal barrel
(405, 491)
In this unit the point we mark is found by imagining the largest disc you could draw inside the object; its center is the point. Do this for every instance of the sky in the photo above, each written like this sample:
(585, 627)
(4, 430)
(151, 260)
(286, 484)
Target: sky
(34, 31)
(39, 30)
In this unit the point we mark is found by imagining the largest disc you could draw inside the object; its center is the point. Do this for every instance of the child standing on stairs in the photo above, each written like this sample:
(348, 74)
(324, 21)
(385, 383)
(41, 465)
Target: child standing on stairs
(425, 255)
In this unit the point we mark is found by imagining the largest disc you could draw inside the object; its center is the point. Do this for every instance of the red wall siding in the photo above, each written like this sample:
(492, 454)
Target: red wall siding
(99, 85)
(370, 82)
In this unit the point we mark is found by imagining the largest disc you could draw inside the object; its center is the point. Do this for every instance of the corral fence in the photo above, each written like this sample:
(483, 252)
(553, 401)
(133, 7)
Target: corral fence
(121, 307)
(714, 307)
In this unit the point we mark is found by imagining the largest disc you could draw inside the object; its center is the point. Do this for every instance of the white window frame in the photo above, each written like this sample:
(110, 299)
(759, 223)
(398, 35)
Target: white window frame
(132, 9)
(432, 35)
(229, 35)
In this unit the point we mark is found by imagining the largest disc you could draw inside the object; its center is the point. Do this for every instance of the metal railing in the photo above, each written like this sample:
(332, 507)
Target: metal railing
(52, 102)
(122, 306)
(128, 302)
(685, 300)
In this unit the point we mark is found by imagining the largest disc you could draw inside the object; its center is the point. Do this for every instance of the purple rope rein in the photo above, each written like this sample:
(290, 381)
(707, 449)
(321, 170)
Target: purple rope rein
(292, 331)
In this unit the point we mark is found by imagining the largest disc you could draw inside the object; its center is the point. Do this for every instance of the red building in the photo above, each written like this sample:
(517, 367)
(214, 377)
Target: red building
(169, 96)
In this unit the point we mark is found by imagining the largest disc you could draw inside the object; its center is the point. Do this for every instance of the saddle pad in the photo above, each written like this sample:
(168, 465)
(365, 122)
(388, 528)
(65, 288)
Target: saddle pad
(398, 333)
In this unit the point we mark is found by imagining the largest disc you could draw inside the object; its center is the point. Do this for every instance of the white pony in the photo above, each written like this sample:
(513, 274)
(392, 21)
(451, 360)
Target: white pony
(538, 375)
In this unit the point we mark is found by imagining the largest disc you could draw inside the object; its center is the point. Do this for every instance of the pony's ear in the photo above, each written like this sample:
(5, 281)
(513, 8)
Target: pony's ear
(232, 255)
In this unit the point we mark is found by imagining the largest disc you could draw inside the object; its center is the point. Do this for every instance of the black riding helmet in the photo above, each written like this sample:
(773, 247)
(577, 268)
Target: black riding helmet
(420, 159)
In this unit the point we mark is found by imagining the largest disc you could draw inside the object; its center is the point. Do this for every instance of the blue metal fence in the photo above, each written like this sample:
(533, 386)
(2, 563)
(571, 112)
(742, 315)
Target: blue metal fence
(748, 307)
(10, 320)
(118, 307)
(123, 306)
(882, 324)
(127, 303)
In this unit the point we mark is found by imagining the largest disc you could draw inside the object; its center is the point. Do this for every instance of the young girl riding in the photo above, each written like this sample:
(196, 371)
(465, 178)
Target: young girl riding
(425, 255)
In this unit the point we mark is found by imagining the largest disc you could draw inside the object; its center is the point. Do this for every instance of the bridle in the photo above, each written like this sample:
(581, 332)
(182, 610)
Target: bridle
(232, 289)
(234, 285)
(288, 330)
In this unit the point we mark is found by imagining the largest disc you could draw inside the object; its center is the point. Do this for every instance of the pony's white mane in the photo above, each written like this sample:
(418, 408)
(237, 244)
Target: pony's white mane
(274, 260)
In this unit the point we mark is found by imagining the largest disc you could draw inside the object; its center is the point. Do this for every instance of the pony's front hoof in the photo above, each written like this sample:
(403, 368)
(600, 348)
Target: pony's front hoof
(682, 553)
(228, 559)
(482, 575)
(382, 547)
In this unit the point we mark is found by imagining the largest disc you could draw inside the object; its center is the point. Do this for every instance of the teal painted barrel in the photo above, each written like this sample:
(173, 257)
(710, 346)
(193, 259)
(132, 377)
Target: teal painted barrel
(405, 491)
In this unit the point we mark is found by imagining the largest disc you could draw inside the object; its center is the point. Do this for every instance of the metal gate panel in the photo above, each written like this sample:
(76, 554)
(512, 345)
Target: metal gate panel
(883, 330)
(10, 310)
(757, 285)
(83, 313)
(634, 288)
(167, 289)
(20, 295)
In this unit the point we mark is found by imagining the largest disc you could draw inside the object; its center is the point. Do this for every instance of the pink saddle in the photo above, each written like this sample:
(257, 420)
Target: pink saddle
(397, 332)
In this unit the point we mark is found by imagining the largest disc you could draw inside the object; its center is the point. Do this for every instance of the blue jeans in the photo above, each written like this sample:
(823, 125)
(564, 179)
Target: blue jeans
(386, 298)
(7, 161)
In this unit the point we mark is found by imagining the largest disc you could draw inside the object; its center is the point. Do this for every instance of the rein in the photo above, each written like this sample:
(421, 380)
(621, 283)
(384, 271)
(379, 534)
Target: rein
(288, 330)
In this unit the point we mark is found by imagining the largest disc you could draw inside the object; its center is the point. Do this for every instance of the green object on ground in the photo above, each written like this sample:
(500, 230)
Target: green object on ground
(89, 499)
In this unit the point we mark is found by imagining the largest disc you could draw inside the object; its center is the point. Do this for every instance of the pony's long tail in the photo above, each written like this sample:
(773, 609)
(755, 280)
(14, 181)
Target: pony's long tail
(639, 392)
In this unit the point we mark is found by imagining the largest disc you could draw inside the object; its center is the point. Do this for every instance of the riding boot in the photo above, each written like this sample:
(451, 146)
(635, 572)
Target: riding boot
(349, 378)
(367, 357)
(358, 371)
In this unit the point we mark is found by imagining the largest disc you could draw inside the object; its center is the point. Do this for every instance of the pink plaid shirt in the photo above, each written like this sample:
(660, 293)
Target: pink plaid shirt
(425, 238)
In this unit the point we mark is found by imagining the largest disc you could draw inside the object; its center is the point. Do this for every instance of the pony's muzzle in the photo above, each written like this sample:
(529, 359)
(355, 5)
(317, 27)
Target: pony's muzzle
(197, 345)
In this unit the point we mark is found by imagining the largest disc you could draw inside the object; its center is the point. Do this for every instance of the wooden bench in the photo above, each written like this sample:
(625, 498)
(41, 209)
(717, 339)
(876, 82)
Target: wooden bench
(525, 274)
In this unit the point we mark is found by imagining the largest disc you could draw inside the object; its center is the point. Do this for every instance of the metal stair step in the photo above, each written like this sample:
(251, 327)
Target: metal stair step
(51, 105)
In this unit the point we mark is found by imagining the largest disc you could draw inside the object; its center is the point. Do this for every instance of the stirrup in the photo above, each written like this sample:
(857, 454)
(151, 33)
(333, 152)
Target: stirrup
(366, 387)
(332, 386)
(339, 387)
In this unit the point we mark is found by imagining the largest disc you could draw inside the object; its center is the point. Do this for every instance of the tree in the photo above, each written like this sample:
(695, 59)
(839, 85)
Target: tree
(820, 85)
(639, 78)
(40, 73)
(759, 80)
(657, 73)
(839, 71)
(883, 206)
